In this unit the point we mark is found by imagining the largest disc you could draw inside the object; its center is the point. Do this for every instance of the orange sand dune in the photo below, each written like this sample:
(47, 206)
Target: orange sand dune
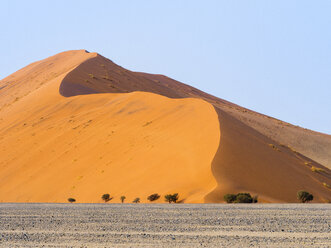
(248, 161)
(100, 75)
(60, 139)
(312, 144)
(53, 147)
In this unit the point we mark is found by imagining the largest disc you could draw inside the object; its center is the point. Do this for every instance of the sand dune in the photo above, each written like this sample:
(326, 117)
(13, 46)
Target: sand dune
(53, 147)
(78, 125)
(314, 145)
(248, 161)
(100, 75)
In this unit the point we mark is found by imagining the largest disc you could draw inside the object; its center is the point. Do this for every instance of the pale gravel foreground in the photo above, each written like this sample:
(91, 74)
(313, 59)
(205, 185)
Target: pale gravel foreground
(165, 225)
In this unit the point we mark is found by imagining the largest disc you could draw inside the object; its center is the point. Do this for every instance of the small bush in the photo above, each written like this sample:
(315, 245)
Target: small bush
(175, 198)
(243, 198)
(123, 198)
(230, 198)
(137, 200)
(91, 75)
(167, 198)
(304, 196)
(71, 200)
(171, 198)
(153, 197)
(106, 197)
(240, 198)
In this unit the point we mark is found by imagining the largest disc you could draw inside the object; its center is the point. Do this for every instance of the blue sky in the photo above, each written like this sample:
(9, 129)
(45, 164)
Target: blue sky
(273, 57)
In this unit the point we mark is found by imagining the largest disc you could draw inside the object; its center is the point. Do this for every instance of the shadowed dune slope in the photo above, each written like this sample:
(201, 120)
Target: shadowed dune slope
(248, 161)
(60, 139)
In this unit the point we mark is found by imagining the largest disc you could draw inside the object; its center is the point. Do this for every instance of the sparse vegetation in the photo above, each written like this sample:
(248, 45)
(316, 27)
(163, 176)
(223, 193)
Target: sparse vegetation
(240, 198)
(316, 169)
(137, 200)
(304, 196)
(106, 197)
(71, 200)
(230, 198)
(244, 198)
(123, 198)
(171, 198)
(153, 197)
(91, 75)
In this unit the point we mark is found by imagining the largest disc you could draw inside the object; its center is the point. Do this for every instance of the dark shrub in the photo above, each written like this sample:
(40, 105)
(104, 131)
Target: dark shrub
(171, 198)
(137, 200)
(230, 198)
(106, 197)
(304, 196)
(240, 198)
(175, 197)
(167, 198)
(153, 197)
(243, 198)
(71, 200)
(123, 198)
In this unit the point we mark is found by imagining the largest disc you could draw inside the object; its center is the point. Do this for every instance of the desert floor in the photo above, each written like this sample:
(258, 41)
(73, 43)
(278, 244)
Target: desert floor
(165, 225)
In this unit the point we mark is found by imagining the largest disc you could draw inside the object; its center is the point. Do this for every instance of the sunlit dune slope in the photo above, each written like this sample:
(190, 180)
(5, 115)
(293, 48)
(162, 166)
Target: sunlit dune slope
(78, 125)
(122, 144)
(37, 75)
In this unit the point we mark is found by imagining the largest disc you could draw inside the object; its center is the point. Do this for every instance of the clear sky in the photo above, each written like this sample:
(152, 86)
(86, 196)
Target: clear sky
(273, 57)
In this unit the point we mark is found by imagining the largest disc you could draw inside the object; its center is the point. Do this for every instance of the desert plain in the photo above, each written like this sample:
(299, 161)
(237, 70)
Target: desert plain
(165, 225)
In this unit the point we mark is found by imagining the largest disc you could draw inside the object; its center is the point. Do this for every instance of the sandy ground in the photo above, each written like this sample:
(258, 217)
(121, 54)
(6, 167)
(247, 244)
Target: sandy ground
(164, 225)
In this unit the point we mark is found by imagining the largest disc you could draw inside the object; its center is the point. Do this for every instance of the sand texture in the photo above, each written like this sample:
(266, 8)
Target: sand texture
(78, 125)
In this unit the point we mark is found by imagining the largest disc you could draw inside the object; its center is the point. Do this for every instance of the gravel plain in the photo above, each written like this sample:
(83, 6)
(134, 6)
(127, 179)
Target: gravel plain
(165, 225)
